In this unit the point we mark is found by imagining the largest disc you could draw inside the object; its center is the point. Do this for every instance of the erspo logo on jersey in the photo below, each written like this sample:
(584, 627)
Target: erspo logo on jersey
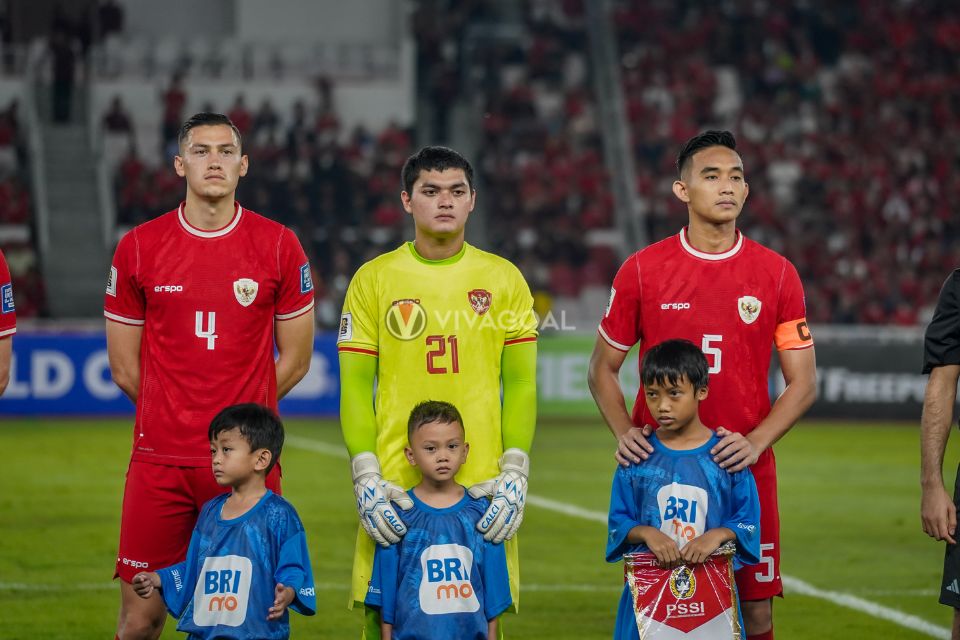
(445, 586)
(683, 511)
(406, 319)
(223, 591)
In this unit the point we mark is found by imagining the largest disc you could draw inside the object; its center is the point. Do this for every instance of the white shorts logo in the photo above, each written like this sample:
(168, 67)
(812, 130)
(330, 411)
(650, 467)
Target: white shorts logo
(223, 592)
(445, 586)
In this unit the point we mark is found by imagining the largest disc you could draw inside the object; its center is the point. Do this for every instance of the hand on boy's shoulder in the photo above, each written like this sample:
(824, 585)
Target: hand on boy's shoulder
(633, 447)
(734, 452)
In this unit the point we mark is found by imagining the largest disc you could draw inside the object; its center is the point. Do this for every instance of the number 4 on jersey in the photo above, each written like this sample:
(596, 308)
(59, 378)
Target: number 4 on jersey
(210, 333)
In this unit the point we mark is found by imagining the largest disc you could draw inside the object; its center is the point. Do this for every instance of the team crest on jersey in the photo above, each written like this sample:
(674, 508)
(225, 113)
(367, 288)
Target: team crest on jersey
(480, 300)
(749, 308)
(406, 319)
(246, 291)
(683, 584)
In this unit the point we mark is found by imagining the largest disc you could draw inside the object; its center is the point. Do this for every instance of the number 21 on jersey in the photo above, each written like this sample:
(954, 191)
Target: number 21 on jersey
(443, 354)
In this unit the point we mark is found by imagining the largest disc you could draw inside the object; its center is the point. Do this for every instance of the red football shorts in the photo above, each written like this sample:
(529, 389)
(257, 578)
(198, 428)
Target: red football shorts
(762, 581)
(160, 508)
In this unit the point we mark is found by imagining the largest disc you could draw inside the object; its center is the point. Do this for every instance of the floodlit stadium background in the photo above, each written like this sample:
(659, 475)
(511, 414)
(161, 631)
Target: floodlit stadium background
(847, 119)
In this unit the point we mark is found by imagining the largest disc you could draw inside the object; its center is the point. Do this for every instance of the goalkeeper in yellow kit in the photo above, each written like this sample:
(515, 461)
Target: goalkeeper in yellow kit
(437, 319)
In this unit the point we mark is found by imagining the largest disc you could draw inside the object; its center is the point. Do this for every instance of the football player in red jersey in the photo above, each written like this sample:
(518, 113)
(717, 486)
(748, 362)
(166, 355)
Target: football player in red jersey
(735, 299)
(195, 301)
(8, 323)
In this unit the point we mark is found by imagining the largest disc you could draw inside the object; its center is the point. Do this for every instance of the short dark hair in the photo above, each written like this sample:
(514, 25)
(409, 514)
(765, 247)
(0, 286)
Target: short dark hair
(206, 119)
(258, 425)
(432, 411)
(434, 159)
(668, 362)
(706, 139)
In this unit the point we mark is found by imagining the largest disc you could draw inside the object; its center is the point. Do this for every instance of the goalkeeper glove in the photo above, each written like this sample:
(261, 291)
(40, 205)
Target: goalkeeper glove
(507, 491)
(374, 494)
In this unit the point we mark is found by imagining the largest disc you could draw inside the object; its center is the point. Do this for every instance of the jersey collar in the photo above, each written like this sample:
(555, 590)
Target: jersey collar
(451, 260)
(215, 233)
(734, 250)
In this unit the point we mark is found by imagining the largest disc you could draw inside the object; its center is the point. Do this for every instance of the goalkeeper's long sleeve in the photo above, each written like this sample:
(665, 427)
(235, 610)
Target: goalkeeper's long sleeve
(518, 371)
(358, 422)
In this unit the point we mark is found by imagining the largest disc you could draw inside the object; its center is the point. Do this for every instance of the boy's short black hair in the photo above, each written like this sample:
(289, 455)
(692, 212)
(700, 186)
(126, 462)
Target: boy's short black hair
(206, 119)
(670, 361)
(432, 411)
(258, 425)
(434, 159)
(706, 139)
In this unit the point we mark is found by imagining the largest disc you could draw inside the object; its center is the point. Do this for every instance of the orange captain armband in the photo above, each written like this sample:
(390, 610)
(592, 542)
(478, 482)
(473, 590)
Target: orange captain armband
(794, 334)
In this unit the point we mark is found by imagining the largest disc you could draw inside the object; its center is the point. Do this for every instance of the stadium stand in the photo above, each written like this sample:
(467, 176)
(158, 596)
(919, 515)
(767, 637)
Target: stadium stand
(864, 208)
(849, 140)
(17, 225)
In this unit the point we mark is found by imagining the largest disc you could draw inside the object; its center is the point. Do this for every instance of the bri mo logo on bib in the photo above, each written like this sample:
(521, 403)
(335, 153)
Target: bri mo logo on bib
(223, 591)
(445, 586)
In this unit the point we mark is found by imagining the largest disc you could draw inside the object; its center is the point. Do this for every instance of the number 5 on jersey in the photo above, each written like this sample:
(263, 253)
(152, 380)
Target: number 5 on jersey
(709, 350)
(210, 333)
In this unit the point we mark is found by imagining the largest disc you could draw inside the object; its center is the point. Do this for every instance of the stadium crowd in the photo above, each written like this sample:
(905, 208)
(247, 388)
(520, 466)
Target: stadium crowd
(340, 193)
(842, 136)
(847, 117)
(17, 228)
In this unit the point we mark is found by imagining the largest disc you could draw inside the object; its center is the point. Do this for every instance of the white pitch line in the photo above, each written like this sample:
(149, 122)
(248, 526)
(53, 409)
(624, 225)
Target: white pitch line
(792, 584)
(871, 608)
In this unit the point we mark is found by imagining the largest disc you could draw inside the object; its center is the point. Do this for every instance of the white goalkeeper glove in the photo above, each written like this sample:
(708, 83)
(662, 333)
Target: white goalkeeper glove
(507, 491)
(374, 495)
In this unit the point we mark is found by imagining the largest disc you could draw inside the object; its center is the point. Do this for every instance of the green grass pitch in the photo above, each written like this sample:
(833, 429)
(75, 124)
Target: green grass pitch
(849, 502)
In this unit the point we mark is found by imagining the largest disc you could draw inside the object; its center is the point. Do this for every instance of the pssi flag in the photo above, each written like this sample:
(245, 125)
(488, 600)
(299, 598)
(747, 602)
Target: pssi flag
(691, 602)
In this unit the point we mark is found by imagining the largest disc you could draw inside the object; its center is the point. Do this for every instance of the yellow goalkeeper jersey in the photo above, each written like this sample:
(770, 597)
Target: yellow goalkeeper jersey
(438, 330)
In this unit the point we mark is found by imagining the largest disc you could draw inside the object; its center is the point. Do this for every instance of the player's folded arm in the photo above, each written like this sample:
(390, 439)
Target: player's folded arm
(358, 422)
(518, 371)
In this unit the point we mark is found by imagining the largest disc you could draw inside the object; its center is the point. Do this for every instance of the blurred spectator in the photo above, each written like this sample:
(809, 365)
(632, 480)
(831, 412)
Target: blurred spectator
(110, 18)
(117, 120)
(174, 99)
(241, 116)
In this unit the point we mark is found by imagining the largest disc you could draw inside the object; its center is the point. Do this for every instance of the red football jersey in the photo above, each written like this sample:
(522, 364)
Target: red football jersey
(207, 301)
(8, 314)
(734, 305)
